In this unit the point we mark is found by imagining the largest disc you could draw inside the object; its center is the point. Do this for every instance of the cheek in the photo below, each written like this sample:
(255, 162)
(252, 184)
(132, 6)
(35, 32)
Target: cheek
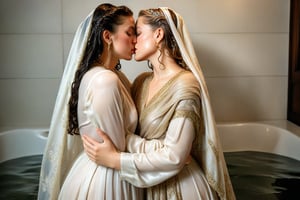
(144, 49)
(123, 47)
(123, 41)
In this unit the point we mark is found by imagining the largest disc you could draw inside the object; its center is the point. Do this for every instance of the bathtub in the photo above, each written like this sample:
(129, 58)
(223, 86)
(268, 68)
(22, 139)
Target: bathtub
(22, 142)
(279, 137)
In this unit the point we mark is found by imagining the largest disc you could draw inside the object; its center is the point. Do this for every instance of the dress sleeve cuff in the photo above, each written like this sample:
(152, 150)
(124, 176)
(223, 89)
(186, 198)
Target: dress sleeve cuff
(128, 170)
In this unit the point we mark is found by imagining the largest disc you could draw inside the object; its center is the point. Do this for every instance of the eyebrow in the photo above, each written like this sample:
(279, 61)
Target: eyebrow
(131, 28)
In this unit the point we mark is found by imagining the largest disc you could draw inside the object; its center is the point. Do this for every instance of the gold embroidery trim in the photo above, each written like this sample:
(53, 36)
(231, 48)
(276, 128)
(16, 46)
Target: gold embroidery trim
(170, 189)
(188, 114)
(161, 94)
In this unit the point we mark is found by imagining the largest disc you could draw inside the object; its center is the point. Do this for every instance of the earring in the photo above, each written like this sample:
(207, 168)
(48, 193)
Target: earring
(157, 45)
(162, 67)
(149, 64)
(108, 47)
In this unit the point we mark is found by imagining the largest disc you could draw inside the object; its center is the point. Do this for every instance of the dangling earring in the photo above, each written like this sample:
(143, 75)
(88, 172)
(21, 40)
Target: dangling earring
(162, 67)
(108, 47)
(157, 45)
(149, 64)
(118, 66)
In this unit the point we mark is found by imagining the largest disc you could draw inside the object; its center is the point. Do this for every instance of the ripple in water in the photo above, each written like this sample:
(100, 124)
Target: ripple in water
(254, 175)
(263, 176)
(19, 178)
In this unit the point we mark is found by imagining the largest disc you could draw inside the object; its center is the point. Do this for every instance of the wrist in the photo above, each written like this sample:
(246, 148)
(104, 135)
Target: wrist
(116, 164)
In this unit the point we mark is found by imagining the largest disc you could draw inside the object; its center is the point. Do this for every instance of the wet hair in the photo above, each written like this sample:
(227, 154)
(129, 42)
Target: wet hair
(156, 19)
(105, 17)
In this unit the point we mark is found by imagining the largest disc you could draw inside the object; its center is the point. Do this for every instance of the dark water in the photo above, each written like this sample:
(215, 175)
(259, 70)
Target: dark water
(254, 175)
(19, 178)
(263, 176)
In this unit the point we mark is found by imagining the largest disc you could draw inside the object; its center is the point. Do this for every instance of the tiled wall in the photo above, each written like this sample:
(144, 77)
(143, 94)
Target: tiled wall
(242, 46)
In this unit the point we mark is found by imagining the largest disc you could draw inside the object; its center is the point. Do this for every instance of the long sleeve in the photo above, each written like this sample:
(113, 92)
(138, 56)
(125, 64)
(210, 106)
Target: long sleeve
(166, 158)
(137, 144)
(103, 107)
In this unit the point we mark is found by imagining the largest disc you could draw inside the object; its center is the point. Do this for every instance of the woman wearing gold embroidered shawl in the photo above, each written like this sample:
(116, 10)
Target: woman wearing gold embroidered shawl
(175, 120)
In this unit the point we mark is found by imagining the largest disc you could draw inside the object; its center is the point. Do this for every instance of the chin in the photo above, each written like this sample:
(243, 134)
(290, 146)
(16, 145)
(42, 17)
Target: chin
(128, 57)
(137, 58)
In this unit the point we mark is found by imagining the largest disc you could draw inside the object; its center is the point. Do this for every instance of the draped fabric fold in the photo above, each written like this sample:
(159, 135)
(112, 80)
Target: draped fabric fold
(211, 156)
(62, 148)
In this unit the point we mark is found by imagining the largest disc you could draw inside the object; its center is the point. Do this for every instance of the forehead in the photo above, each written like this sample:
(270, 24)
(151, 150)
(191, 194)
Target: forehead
(140, 23)
(127, 22)
(140, 20)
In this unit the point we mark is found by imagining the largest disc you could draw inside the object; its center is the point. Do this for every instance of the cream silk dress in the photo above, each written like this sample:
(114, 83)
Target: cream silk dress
(173, 118)
(181, 119)
(104, 101)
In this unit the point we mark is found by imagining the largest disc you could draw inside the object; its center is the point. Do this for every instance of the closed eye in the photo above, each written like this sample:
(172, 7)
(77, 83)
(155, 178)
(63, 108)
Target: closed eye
(129, 33)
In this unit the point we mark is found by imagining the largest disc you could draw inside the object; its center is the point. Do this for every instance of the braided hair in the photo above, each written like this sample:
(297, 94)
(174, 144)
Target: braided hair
(105, 17)
(156, 19)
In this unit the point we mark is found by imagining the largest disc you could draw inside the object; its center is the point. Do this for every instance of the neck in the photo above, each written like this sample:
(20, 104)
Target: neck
(108, 60)
(109, 64)
(166, 69)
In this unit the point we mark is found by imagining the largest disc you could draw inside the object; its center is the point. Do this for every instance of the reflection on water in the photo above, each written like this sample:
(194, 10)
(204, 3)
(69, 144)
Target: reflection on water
(260, 176)
(254, 175)
(19, 178)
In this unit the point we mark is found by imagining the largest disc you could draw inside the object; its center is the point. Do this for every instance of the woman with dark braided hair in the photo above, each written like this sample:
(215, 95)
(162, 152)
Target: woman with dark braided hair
(93, 94)
(176, 153)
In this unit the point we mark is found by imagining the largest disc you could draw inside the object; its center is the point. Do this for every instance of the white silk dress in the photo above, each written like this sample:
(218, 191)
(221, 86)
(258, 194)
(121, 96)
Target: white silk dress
(104, 102)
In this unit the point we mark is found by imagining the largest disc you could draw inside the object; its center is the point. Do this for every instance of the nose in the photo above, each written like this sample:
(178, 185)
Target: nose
(134, 40)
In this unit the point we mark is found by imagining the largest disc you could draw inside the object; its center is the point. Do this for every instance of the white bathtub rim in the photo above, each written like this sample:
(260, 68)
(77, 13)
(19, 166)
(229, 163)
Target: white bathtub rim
(281, 125)
(39, 131)
(272, 137)
(18, 143)
(284, 125)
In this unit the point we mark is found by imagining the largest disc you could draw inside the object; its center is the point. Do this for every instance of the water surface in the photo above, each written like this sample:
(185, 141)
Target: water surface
(263, 176)
(254, 175)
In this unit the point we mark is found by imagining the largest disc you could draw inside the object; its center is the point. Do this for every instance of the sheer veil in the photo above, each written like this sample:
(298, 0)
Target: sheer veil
(213, 161)
(62, 148)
